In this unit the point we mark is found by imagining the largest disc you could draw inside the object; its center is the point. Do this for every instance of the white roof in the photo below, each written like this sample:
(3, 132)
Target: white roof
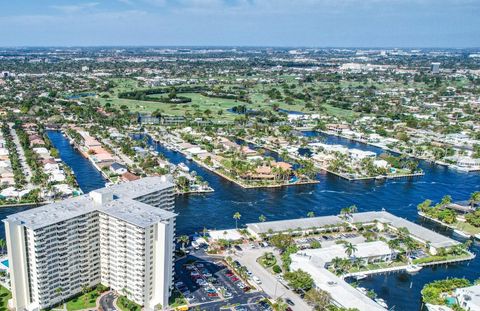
(364, 250)
(470, 296)
(230, 235)
(123, 205)
(340, 291)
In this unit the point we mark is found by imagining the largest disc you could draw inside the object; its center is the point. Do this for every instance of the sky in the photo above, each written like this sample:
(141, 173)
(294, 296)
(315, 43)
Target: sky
(306, 23)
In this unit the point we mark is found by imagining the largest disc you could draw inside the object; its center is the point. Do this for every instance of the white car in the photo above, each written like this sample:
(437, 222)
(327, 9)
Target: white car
(256, 280)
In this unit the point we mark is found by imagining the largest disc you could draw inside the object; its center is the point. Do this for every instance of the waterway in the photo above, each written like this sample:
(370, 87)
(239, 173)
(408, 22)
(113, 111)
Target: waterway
(400, 197)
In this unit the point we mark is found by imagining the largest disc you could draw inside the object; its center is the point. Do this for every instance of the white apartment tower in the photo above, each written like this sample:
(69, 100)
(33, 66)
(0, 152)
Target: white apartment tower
(122, 237)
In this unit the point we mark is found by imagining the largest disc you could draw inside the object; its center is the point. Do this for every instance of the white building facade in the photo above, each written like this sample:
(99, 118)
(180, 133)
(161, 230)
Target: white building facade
(107, 237)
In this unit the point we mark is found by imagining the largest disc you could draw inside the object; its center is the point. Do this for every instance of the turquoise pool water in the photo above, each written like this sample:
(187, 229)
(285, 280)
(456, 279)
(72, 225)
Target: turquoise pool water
(5, 263)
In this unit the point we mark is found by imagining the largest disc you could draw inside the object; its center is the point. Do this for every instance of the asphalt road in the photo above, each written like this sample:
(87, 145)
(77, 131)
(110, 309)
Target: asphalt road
(106, 302)
(270, 284)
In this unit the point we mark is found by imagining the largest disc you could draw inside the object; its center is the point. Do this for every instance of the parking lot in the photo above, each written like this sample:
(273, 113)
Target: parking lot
(327, 240)
(213, 286)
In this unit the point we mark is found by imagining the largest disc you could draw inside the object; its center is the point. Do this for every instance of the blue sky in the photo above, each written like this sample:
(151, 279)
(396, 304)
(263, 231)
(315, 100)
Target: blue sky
(320, 23)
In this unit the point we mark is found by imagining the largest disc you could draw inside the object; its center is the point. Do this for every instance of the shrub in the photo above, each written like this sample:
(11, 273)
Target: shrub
(277, 269)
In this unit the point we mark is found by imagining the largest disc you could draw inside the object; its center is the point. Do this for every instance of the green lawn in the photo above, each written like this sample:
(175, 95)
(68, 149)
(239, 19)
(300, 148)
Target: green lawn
(84, 301)
(5, 295)
(468, 228)
(126, 305)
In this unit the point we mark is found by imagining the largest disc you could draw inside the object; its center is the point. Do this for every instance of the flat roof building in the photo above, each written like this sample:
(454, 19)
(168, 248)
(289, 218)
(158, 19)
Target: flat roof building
(417, 232)
(121, 237)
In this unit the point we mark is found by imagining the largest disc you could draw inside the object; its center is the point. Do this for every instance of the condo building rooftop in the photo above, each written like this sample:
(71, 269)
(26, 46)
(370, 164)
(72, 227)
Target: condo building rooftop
(118, 201)
(304, 224)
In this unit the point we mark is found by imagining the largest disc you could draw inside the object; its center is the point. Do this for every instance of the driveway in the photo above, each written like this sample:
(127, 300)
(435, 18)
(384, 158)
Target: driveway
(270, 284)
(106, 302)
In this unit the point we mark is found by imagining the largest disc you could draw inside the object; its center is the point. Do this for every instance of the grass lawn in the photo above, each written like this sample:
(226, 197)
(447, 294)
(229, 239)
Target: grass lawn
(341, 113)
(468, 228)
(126, 305)
(5, 295)
(84, 301)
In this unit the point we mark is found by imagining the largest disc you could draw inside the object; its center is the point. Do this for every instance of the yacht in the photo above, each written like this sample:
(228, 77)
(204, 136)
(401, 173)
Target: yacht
(360, 277)
(413, 268)
(183, 167)
(381, 302)
(461, 233)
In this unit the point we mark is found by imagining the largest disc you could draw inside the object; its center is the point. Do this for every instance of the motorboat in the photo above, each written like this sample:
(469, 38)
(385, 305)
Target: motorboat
(183, 167)
(381, 302)
(413, 268)
(360, 277)
(461, 233)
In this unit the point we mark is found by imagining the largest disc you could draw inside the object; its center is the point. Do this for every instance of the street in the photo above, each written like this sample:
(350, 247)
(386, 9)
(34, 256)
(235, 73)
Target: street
(270, 284)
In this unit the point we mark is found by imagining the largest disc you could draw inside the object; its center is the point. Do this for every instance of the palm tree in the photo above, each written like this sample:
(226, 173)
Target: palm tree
(393, 244)
(237, 217)
(262, 218)
(474, 198)
(3, 244)
(350, 249)
(85, 290)
(184, 239)
(311, 214)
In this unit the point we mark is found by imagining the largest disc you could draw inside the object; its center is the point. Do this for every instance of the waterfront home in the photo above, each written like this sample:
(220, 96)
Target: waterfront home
(129, 177)
(118, 168)
(357, 154)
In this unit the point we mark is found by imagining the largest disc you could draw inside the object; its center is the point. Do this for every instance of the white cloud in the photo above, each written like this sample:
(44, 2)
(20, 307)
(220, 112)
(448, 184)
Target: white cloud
(74, 8)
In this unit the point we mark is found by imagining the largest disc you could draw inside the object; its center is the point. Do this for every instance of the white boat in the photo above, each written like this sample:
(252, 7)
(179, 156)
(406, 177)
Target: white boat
(381, 302)
(360, 277)
(362, 290)
(461, 233)
(413, 268)
(183, 167)
(189, 157)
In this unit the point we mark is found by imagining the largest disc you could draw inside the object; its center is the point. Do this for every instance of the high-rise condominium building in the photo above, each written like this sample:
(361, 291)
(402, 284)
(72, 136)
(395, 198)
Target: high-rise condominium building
(435, 68)
(121, 237)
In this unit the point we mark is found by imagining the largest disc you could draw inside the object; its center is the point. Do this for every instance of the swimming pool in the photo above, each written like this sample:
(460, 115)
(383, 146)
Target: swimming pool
(5, 263)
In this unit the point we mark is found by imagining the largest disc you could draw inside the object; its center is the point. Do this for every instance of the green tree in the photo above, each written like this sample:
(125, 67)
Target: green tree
(350, 249)
(237, 217)
(262, 218)
(299, 280)
(184, 239)
(318, 298)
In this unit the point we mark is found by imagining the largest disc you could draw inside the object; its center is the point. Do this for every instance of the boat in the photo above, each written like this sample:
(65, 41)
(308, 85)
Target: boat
(413, 268)
(188, 157)
(362, 290)
(183, 167)
(461, 233)
(381, 302)
(360, 277)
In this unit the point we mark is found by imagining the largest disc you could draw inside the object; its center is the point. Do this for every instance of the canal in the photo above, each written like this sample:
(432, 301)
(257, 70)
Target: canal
(400, 197)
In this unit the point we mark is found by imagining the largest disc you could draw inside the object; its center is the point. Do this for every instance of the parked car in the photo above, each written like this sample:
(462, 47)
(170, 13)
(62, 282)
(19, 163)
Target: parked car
(256, 280)
(287, 300)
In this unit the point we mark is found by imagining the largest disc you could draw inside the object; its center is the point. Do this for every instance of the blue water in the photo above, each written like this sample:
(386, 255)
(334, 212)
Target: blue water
(400, 197)
(88, 177)
(5, 263)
